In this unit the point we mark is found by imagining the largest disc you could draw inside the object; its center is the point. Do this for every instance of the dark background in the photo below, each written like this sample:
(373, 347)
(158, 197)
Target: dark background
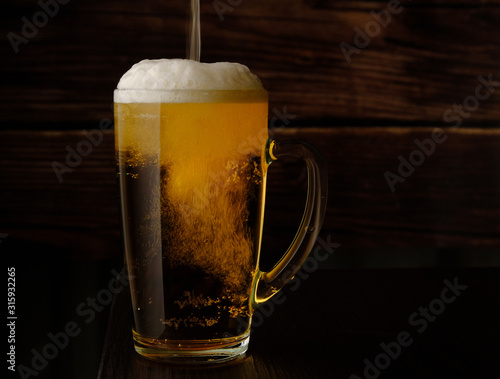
(64, 237)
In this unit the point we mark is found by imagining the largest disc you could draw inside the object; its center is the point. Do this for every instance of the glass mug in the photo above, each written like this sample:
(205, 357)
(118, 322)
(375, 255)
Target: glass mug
(192, 177)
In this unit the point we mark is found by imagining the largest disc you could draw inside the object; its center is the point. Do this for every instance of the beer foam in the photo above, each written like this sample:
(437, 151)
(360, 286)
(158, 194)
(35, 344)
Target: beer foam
(175, 80)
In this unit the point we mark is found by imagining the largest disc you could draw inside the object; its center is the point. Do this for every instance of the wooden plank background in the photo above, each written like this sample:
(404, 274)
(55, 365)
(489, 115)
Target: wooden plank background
(426, 59)
(362, 115)
(450, 200)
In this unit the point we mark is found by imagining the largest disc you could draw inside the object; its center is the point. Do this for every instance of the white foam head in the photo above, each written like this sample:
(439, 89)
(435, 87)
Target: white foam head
(170, 80)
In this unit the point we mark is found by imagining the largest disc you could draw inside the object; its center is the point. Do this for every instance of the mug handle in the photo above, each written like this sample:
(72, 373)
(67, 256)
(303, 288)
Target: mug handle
(266, 284)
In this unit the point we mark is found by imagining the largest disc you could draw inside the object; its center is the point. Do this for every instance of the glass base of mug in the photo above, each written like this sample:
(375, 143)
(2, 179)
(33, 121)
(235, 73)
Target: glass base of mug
(192, 352)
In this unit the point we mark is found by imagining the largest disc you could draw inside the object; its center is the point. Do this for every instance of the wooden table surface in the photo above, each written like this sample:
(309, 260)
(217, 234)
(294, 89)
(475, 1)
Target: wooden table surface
(351, 323)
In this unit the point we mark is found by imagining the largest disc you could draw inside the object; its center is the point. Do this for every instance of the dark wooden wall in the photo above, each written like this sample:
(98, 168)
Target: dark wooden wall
(427, 58)
(411, 77)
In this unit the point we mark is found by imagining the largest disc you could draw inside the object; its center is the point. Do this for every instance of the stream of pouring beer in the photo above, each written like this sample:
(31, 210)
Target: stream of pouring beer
(194, 37)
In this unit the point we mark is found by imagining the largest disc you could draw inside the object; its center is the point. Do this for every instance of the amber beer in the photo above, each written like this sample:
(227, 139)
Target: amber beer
(192, 190)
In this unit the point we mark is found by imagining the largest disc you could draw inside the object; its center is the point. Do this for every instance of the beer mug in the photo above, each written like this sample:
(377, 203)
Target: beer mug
(193, 151)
